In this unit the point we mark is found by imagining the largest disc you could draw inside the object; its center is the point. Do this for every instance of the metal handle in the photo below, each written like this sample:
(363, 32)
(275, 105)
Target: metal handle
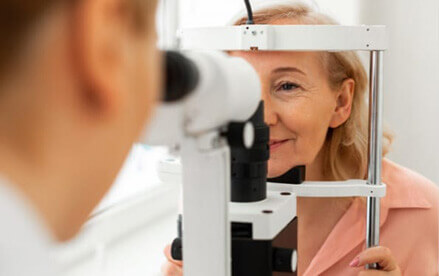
(375, 148)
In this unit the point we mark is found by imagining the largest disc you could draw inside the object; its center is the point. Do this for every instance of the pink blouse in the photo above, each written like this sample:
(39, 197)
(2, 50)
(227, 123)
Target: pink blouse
(408, 227)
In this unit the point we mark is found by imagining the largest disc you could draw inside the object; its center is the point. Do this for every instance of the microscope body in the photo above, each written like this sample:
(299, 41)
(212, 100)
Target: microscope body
(263, 222)
(264, 234)
(263, 219)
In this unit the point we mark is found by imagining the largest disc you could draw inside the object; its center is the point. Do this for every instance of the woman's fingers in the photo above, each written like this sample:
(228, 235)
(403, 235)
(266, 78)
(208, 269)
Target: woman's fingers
(167, 252)
(381, 255)
(171, 269)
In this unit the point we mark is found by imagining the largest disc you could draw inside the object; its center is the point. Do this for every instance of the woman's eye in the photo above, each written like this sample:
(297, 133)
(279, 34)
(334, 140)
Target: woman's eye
(288, 86)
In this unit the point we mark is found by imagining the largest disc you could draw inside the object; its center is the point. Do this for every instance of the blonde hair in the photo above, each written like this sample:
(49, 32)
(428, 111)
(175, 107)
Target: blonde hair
(345, 151)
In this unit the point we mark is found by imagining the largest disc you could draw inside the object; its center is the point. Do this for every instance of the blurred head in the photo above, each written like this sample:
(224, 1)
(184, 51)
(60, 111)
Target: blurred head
(315, 101)
(78, 82)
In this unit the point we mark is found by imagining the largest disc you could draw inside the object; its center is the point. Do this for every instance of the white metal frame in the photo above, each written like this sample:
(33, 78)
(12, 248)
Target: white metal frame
(348, 188)
(276, 38)
(285, 38)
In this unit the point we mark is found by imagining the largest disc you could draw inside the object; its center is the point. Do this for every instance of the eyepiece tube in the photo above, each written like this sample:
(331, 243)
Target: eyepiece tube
(181, 77)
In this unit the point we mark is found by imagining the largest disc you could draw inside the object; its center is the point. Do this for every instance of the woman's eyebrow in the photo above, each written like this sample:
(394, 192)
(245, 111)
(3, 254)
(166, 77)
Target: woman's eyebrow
(288, 69)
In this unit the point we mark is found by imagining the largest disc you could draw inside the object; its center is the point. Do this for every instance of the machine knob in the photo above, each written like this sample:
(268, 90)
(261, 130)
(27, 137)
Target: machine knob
(284, 260)
(241, 135)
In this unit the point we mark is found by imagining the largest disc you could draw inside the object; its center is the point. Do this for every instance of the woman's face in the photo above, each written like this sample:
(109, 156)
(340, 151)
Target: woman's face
(299, 105)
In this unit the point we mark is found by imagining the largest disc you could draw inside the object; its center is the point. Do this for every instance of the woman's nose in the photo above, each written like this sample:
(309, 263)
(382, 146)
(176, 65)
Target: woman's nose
(269, 113)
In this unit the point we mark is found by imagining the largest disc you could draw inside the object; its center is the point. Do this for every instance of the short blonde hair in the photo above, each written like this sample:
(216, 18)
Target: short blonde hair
(345, 150)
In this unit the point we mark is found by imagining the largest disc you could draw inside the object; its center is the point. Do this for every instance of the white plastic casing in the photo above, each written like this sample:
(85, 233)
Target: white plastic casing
(229, 90)
(266, 225)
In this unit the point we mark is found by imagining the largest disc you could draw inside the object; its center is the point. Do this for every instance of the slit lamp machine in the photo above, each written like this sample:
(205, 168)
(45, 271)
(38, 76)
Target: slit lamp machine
(235, 221)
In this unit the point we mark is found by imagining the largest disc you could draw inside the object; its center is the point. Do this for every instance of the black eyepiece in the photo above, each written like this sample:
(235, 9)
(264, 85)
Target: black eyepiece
(181, 77)
(249, 165)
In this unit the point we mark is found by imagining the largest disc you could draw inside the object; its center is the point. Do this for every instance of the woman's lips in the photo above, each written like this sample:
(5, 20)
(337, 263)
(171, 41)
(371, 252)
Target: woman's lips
(274, 144)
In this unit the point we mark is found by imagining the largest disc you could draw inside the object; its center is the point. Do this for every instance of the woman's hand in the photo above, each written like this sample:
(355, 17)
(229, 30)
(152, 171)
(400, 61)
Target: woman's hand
(381, 255)
(171, 267)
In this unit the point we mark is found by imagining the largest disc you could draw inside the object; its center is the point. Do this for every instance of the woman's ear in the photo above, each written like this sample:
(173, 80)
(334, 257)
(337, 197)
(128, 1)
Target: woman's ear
(344, 98)
(99, 43)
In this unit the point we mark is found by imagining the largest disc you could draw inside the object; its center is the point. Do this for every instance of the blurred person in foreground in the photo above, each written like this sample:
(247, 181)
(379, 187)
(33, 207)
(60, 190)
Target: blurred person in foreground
(78, 82)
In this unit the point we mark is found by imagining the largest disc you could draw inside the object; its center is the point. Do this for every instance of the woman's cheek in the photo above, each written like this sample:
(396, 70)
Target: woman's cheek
(317, 136)
(310, 138)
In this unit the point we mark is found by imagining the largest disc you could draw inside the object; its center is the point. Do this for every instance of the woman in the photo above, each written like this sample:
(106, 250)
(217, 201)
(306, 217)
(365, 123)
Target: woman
(78, 81)
(315, 108)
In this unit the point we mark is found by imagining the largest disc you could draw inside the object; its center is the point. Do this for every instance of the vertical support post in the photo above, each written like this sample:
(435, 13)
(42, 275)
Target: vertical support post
(206, 196)
(375, 148)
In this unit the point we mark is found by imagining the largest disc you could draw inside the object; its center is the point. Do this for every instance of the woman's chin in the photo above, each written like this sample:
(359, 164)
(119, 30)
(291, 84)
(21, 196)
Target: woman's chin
(276, 172)
(277, 168)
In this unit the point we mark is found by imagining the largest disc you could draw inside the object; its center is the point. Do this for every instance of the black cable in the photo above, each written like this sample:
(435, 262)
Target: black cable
(249, 12)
